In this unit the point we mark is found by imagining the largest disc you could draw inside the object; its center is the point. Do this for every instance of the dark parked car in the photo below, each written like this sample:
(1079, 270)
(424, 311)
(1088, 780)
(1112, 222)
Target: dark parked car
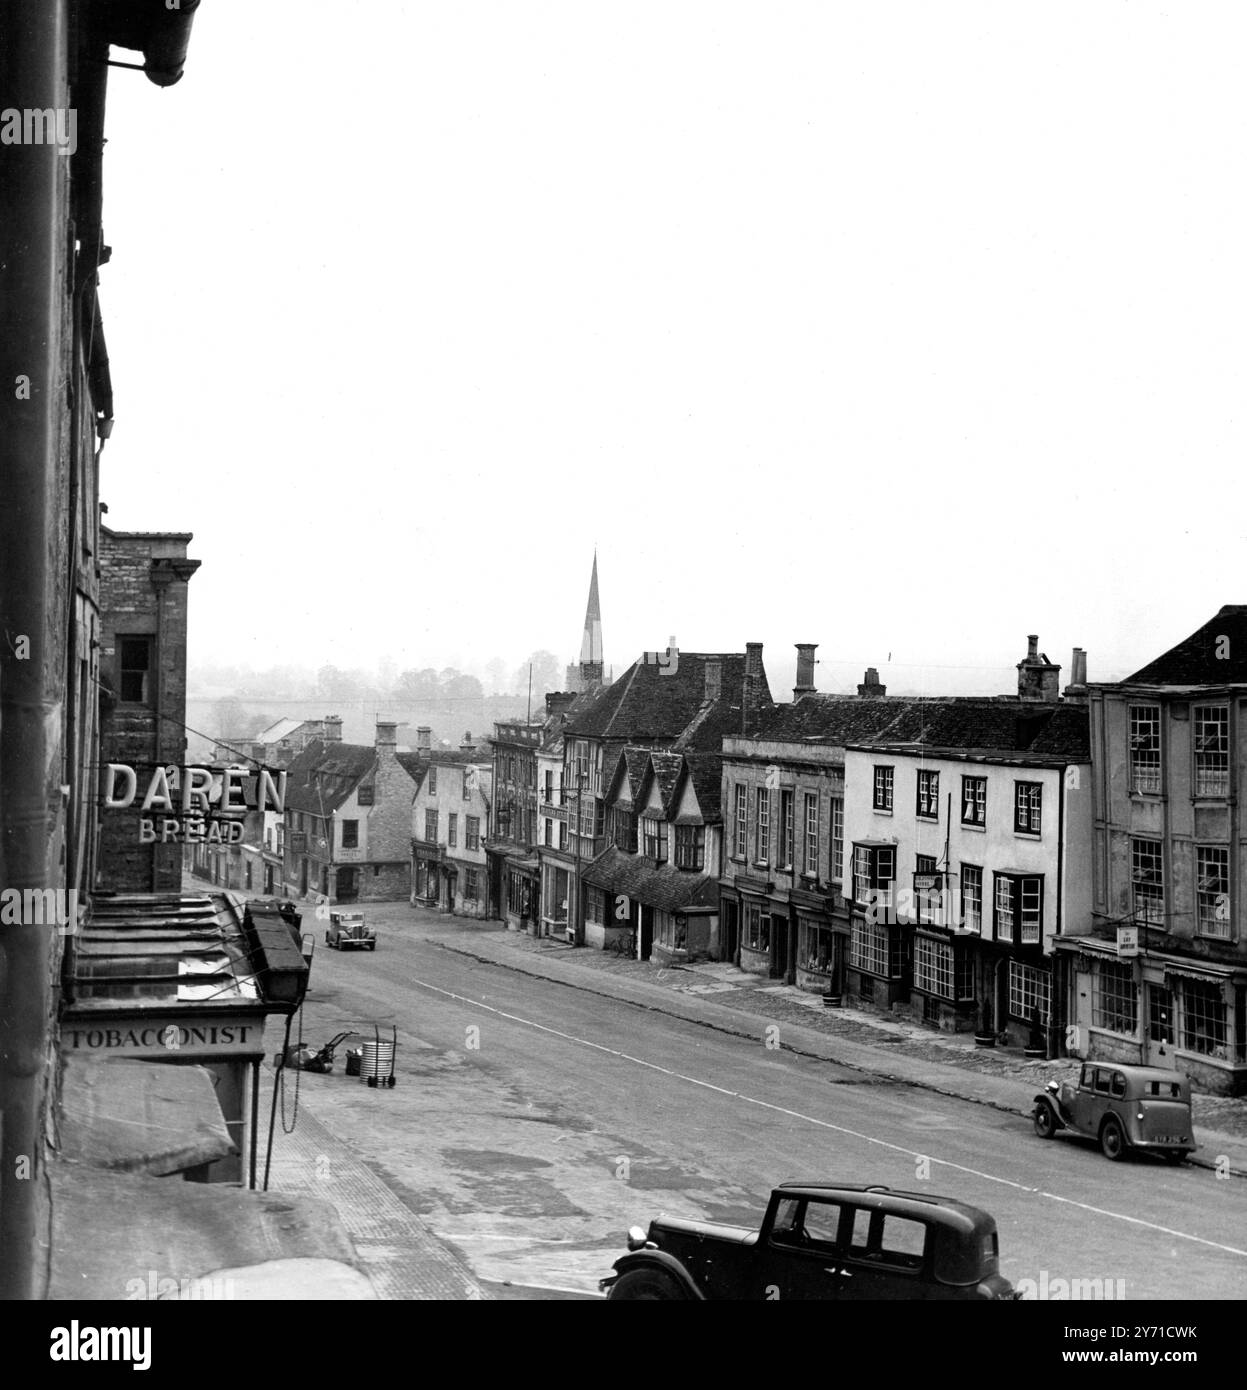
(348, 931)
(821, 1242)
(1124, 1107)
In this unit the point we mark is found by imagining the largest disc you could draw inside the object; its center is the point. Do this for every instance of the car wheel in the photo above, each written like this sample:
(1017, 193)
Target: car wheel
(1173, 1157)
(1045, 1120)
(372, 946)
(327, 941)
(649, 1284)
(1112, 1139)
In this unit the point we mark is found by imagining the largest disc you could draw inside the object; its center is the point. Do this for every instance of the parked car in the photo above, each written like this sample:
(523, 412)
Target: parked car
(349, 931)
(1124, 1107)
(820, 1242)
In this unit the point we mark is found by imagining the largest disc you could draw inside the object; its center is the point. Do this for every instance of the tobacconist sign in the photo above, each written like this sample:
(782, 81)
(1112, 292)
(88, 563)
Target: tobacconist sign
(192, 805)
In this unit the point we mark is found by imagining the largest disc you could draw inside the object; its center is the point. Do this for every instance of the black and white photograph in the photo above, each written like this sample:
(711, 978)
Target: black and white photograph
(623, 635)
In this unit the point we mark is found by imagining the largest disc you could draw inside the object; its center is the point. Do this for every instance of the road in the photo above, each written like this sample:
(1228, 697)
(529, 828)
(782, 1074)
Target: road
(532, 1123)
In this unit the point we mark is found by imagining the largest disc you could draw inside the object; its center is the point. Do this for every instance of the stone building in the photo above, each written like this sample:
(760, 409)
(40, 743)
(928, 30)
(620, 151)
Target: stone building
(1161, 978)
(447, 829)
(143, 611)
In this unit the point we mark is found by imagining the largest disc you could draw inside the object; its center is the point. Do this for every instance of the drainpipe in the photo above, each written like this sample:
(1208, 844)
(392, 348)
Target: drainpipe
(33, 289)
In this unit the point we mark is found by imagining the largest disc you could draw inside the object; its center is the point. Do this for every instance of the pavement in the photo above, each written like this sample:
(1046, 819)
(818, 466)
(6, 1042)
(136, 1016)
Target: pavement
(405, 1260)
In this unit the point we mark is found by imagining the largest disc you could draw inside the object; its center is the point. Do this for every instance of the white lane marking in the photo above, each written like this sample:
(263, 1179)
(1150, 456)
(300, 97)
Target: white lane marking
(826, 1124)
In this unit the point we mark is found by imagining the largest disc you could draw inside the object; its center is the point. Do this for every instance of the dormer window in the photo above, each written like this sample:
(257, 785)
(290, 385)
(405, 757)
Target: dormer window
(655, 834)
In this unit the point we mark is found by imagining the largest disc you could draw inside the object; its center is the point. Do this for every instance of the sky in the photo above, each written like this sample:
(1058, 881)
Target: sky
(906, 329)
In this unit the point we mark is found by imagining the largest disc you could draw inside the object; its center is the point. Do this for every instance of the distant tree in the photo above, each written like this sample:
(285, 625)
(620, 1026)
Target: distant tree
(415, 686)
(496, 672)
(460, 688)
(333, 684)
(548, 674)
(233, 720)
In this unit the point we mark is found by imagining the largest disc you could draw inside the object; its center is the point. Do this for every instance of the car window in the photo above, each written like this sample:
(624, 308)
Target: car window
(859, 1240)
(1118, 1084)
(1101, 1081)
(1084, 1077)
(786, 1228)
(902, 1241)
(822, 1222)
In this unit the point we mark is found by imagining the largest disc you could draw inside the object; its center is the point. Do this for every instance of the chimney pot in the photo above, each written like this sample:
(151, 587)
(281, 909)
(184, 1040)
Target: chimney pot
(1032, 646)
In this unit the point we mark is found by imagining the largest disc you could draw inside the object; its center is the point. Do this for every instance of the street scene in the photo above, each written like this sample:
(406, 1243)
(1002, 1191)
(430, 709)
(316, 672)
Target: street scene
(621, 675)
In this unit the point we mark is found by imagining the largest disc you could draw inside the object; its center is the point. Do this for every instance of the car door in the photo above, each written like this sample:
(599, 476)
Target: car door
(886, 1257)
(803, 1257)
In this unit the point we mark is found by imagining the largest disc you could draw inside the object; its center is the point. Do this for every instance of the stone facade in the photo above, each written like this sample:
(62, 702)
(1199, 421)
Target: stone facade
(143, 601)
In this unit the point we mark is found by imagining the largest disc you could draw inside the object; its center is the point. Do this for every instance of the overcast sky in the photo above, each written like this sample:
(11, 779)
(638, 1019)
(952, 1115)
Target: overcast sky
(907, 329)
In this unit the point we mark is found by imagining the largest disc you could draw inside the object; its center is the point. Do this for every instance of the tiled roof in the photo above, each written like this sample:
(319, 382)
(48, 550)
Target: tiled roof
(324, 775)
(964, 723)
(658, 885)
(415, 763)
(652, 702)
(666, 770)
(1195, 660)
(706, 770)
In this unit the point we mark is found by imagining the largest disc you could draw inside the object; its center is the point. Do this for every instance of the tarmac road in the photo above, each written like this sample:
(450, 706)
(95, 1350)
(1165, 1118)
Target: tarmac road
(532, 1123)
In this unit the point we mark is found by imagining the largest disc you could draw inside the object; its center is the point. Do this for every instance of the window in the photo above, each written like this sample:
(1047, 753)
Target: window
(562, 834)
(1211, 725)
(470, 881)
(452, 830)
(974, 801)
(350, 834)
(762, 821)
(1212, 863)
(430, 826)
(972, 897)
(869, 948)
(690, 846)
(655, 832)
(547, 835)
(1030, 988)
(365, 794)
(883, 788)
(757, 934)
(1114, 1003)
(1027, 807)
(740, 849)
(928, 794)
(1203, 1018)
(927, 898)
(837, 838)
(595, 905)
(785, 830)
(874, 872)
(1019, 906)
(933, 967)
(549, 789)
(469, 782)
(816, 948)
(432, 781)
(135, 670)
(1145, 748)
(625, 830)
(1147, 878)
(472, 832)
(811, 834)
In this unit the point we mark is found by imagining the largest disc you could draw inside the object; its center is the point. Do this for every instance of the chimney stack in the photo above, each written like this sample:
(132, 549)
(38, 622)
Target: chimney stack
(557, 701)
(467, 746)
(749, 693)
(870, 688)
(1037, 676)
(1077, 690)
(805, 669)
(333, 729)
(424, 738)
(714, 679)
(387, 735)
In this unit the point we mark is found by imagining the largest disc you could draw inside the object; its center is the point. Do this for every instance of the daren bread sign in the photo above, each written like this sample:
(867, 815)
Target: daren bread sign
(193, 803)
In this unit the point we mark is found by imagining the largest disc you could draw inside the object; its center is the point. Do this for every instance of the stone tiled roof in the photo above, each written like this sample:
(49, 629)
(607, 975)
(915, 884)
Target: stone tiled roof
(651, 702)
(962, 723)
(324, 775)
(666, 773)
(1194, 661)
(706, 770)
(658, 885)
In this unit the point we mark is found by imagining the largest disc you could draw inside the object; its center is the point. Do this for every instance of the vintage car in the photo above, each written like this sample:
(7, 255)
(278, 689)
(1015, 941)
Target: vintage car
(1124, 1107)
(349, 931)
(820, 1242)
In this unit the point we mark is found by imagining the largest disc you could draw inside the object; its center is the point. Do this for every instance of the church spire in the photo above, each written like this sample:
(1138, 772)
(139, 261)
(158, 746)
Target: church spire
(591, 644)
